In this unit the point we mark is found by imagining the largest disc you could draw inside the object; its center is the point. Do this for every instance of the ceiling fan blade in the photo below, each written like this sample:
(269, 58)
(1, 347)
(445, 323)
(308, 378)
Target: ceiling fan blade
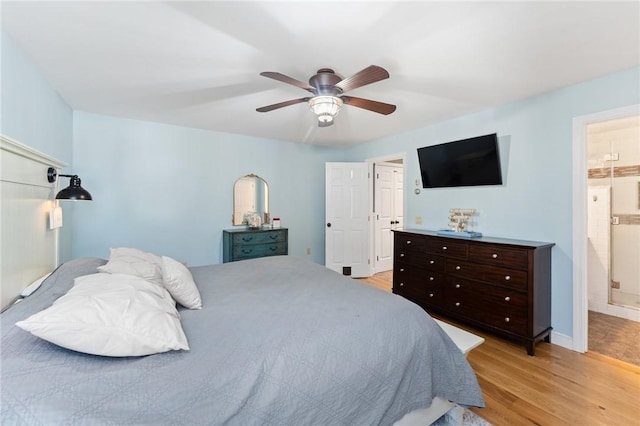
(369, 75)
(325, 123)
(375, 106)
(285, 79)
(282, 104)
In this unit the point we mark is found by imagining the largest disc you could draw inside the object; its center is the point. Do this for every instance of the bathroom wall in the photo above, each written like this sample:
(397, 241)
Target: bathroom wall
(599, 246)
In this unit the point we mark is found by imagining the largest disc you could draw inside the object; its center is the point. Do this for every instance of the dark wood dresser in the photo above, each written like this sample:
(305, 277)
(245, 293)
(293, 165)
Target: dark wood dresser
(242, 243)
(497, 284)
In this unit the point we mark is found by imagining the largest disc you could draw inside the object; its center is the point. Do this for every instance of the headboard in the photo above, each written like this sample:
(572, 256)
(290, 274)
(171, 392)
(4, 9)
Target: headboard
(28, 248)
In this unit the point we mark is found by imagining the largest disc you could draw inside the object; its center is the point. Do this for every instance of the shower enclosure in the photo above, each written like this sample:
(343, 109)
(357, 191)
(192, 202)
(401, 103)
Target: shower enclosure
(614, 217)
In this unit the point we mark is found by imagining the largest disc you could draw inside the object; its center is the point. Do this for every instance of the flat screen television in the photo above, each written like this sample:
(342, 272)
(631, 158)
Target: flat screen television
(467, 162)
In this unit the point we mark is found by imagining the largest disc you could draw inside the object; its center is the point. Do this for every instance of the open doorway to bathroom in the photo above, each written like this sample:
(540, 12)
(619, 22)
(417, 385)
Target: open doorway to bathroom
(613, 225)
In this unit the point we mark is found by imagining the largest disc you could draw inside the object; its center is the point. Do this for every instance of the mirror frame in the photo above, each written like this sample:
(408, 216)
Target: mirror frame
(263, 213)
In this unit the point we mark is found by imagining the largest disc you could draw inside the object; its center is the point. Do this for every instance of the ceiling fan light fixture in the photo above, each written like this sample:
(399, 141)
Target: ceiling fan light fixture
(325, 107)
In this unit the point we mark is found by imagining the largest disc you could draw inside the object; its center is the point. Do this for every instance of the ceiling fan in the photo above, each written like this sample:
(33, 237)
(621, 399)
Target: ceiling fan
(328, 88)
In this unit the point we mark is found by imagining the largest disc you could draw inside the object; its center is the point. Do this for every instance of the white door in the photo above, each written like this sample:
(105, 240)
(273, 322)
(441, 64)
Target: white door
(347, 218)
(388, 211)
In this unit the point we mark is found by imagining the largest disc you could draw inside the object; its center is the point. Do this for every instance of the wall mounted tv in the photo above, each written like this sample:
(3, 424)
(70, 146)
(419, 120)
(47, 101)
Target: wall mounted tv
(467, 162)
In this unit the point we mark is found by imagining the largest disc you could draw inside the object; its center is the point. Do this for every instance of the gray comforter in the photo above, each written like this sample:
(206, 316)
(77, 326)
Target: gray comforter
(280, 341)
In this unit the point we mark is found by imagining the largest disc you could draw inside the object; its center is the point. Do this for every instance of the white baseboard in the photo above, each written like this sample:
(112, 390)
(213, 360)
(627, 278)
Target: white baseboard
(562, 340)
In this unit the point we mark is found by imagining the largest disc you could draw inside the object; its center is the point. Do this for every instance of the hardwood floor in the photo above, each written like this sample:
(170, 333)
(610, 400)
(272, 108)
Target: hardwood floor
(556, 387)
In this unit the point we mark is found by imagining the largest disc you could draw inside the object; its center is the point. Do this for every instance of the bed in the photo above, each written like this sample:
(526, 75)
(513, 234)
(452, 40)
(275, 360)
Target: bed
(278, 341)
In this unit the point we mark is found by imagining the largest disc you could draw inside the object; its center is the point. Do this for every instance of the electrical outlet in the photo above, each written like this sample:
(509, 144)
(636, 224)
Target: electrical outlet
(418, 220)
(308, 250)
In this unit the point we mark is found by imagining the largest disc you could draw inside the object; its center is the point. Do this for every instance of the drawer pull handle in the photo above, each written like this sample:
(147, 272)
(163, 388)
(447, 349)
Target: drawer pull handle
(247, 239)
(444, 247)
(273, 237)
(431, 278)
(273, 248)
(401, 254)
(430, 294)
(457, 285)
(457, 268)
(408, 241)
(457, 303)
(494, 255)
(507, 277)
(507, 299)
(431, 262)
(507, 319)
(401, 284)
(401, 269)
(247, 251)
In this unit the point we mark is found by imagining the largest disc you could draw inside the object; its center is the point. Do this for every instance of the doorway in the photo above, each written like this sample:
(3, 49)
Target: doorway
(581, 243)
(387, 202)
(351, 244)
(613, 219)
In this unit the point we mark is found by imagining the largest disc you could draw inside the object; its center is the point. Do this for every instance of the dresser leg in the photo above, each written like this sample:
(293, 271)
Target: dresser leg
(531, 347)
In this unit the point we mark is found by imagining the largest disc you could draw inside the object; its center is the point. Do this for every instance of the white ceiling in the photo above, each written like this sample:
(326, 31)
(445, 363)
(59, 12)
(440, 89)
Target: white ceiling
(197, 64)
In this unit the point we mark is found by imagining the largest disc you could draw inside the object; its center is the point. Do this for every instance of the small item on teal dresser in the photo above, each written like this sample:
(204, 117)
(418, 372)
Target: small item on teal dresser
(253, 220)
(275, 222)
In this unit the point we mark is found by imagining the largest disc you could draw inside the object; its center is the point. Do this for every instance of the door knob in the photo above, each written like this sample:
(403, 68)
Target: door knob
(329, 225)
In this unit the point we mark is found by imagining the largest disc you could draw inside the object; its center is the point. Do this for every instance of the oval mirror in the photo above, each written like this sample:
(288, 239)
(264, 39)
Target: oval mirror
(250, 194)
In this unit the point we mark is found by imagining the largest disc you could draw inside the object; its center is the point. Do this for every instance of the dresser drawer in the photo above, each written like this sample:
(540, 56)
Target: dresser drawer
(409, 248)
(411, 273)
(249, 238)
(495, 254)
(259, 250)
(434, 263)
(448, 247)
(490, 274)
(419, 285)
(495, 306)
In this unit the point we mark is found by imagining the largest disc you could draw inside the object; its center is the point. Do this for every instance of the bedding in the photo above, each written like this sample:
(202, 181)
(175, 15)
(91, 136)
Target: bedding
(111, 315)
(278, 341)
(179, 281)
(136, 262)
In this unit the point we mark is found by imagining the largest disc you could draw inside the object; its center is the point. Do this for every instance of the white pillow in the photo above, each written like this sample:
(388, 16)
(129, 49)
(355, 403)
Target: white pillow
(111, 315)
(136, 262)
(179, 281)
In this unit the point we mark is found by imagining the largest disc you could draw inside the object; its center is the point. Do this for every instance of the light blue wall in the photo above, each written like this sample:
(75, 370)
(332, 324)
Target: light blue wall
(535, 202)
(169, 189)
(34, 114)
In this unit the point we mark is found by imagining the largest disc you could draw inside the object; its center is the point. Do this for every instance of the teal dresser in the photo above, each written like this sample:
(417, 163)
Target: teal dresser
(240, 244)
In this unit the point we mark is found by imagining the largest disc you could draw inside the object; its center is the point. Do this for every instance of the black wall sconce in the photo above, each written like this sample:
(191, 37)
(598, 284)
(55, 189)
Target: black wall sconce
(73, 192)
